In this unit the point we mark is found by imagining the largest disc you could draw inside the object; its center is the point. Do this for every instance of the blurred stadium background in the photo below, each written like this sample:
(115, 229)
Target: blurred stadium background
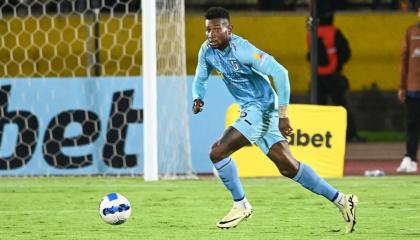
(71, 104)
(78, 38)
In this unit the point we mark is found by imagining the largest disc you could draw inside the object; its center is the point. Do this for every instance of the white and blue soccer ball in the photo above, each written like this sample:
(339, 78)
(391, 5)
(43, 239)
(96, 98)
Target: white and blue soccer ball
(115, 209)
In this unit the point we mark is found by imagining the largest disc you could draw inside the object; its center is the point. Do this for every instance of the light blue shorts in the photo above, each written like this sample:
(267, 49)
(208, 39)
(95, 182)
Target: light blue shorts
(259, 127)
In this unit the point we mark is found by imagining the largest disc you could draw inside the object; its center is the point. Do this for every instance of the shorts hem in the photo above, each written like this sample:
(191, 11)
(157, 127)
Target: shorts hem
(247, 138)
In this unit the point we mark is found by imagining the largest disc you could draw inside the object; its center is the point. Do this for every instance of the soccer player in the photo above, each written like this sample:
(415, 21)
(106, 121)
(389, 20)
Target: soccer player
(264, 121)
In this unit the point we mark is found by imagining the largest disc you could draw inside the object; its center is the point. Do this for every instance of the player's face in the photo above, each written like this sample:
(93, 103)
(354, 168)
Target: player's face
(218, 32)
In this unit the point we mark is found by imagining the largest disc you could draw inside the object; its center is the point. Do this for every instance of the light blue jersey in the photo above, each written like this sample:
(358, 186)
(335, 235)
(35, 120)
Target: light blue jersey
(244, 69)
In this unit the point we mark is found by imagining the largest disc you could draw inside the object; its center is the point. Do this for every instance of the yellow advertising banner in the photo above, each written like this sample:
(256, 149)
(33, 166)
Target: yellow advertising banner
(318, 139)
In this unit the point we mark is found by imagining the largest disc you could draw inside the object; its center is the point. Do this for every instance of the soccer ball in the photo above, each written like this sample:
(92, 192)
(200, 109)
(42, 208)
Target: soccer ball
(115, 209)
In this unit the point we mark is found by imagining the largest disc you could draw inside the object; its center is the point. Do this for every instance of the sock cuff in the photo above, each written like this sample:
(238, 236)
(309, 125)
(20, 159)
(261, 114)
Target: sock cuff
(239, 199)
(299, 173)
(335, 197)
(221, 164)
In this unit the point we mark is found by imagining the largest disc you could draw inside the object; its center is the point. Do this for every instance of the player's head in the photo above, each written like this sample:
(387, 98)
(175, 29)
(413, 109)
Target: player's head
(326, 18)
(218, 27)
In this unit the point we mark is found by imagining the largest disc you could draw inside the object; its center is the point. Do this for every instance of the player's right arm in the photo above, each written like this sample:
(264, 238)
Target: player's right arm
(199, 85)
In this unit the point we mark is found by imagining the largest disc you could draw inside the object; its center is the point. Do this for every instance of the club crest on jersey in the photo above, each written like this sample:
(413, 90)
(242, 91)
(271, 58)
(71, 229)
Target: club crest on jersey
(234, 64)
(258, 56)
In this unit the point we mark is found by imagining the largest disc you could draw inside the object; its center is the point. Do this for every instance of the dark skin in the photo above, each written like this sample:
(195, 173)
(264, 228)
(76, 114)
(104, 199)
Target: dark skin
(218, 32)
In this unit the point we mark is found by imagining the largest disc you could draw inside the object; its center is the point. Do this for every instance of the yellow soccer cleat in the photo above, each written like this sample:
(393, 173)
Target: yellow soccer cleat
(237, 214)
(349, 211)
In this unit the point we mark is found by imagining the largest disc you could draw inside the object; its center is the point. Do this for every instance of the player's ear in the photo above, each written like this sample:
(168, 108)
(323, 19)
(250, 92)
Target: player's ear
(230, 28)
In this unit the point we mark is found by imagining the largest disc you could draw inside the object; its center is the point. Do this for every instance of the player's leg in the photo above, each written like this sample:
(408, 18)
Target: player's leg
(275, 146)
(321, 91)
(231, 141)
(302, 173)
(413, 129)
(417, 127)
(242, 133)
(408, 163)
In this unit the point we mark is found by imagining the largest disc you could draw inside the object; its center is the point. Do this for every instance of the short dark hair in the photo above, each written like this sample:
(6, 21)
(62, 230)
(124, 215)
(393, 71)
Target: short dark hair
(326, 20)
(217, 12)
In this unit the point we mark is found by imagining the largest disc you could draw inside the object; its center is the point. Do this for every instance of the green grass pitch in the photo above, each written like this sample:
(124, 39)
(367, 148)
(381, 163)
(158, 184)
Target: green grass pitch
(67, 208)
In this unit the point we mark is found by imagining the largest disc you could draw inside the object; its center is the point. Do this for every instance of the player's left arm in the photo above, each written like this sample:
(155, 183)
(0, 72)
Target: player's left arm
(266, 64)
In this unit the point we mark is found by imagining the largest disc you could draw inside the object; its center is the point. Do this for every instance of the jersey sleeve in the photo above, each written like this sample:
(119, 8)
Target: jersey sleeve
(202, 72)
(264, 63)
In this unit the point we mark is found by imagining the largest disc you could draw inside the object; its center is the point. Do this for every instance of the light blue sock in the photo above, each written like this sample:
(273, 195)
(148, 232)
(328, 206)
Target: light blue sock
(229, 175)
(307, 177)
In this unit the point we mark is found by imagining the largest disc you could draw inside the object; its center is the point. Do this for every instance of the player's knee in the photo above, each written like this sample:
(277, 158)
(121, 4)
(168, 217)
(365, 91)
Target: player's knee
(216, 153)
(215, 156)
(213, 153)
(289, 169)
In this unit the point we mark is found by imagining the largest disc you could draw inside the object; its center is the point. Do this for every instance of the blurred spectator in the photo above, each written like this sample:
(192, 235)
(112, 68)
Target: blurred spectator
(333, 52)
(409, 93)
(413, 4)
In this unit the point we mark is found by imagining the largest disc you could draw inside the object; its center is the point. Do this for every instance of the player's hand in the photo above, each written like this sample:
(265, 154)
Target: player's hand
(284, 126)
(197, 106)
(401, 95)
